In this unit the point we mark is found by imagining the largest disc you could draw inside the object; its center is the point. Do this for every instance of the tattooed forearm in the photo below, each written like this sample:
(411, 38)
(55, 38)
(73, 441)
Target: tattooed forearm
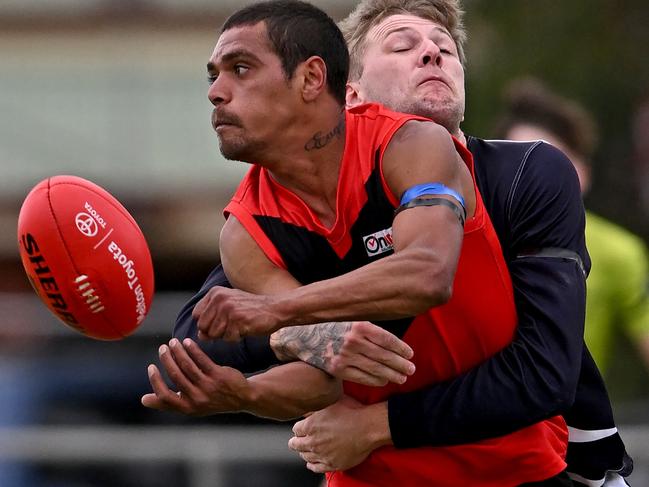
(316, 345)
(319, 140)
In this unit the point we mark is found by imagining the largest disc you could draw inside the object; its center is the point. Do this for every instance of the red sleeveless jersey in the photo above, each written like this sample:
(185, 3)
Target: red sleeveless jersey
(478, 321)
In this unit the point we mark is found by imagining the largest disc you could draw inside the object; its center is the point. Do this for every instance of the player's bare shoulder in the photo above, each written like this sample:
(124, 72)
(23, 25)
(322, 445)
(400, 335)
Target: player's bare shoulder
(239, 253)
(233, 236)
(245, 264)
(422, 131)
(427, 145)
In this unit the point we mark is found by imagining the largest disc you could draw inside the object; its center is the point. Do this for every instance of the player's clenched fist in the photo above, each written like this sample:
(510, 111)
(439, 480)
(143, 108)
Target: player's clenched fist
(231, 314)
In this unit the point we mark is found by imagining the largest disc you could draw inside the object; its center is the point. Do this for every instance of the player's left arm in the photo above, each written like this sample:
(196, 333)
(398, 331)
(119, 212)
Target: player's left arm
(205, 388)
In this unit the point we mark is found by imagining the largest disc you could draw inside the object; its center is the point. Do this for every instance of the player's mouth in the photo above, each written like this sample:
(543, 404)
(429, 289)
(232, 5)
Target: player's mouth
(219, 127)
(431, 80)
(221, 121)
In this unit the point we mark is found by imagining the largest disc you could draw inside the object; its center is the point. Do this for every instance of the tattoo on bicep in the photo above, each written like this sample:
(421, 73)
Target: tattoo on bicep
(316, 345)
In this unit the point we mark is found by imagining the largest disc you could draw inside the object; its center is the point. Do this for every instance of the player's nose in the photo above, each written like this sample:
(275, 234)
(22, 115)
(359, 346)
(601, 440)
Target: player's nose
(430, 53)
(218, 92)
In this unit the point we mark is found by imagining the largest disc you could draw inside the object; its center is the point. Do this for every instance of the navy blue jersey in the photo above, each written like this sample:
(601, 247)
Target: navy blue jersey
(532, 195)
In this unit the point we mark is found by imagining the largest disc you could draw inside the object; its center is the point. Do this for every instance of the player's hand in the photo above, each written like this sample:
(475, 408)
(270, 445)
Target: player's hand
(340, 436)
(360, 352)
(204, 388)
(231, 314)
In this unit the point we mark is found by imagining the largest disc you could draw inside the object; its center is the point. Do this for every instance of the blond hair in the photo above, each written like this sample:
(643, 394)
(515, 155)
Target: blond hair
(369, 13)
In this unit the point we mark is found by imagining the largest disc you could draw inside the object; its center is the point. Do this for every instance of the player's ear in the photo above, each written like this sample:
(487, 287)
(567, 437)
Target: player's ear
(313, 73)
(353, 96)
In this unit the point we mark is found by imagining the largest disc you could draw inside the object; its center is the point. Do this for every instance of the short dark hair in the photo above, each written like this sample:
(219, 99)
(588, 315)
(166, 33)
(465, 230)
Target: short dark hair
(529, 101)
(297, 30)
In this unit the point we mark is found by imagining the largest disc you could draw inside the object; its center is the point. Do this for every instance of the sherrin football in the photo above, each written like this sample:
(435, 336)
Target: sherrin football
(86, 257)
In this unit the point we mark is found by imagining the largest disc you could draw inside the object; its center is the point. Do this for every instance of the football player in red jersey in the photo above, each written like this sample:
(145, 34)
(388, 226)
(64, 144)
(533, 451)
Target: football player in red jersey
(314, 184)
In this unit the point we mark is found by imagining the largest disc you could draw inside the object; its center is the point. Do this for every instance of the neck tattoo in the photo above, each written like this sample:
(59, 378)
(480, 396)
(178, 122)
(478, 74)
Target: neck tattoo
(319, 140)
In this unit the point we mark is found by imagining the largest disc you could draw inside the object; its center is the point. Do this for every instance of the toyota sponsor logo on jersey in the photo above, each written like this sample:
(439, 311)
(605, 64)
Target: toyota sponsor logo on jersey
(379, 242)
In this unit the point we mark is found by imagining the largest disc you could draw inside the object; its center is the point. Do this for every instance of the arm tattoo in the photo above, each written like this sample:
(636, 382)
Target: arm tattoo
(316, 345)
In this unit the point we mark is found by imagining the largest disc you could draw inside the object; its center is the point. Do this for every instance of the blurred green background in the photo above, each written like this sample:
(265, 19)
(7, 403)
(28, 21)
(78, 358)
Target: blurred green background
(594, 51)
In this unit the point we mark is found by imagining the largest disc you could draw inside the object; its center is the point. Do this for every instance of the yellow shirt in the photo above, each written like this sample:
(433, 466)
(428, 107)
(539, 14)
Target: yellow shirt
(617, 300)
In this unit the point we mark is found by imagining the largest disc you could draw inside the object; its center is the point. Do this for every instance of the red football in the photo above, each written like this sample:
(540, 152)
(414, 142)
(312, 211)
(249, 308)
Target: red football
(86, 257)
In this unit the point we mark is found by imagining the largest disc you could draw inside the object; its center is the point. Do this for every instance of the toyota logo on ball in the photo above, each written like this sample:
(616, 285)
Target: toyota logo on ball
(86, 224)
